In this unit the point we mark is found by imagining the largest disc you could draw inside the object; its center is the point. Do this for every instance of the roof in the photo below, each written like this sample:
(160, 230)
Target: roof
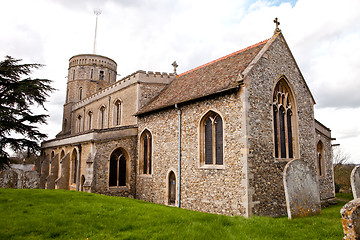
(214, 77)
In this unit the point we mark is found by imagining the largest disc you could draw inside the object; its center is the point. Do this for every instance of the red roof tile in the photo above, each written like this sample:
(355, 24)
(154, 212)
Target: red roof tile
(216, 76)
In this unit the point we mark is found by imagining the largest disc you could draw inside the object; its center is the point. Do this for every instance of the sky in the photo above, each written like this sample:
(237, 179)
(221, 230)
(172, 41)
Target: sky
(323, 35)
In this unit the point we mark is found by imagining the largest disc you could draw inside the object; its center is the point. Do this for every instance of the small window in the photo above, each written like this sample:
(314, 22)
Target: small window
(79, 123)
(320, 159)
(90, 114)
(80, 93)
(117, 113)
(212, 139)
(117, 169)
(146, 151)
(102, 117)
(73, 77)
(91, 74)
(101, 75)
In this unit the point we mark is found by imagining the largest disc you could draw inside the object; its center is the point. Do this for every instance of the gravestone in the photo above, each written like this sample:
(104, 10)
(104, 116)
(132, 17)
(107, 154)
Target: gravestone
(355, 182)
(301, 189)
(350, 218)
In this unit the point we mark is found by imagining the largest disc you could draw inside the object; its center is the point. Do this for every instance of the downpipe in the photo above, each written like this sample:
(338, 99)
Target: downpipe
(179, 162)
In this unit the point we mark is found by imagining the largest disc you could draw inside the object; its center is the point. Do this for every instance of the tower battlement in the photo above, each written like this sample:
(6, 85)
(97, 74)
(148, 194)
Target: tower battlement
(92, 60)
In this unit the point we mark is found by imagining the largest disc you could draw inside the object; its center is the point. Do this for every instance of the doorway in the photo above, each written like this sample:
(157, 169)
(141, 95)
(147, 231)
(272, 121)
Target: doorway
(172, 188)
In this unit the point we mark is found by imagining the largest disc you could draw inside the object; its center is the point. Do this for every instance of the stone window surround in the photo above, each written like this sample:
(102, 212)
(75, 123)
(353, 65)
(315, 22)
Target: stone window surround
(294, 121)
(320, 150)
(115, 102)
(201, 136)
(167, 193)
(128, 171)
(102, 116)
(141, 153)
(73, 164)
(89, 120)
(78, 123)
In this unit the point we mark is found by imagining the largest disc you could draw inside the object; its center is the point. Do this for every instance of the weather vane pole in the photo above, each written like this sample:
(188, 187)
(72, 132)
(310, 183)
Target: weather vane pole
(97, 12)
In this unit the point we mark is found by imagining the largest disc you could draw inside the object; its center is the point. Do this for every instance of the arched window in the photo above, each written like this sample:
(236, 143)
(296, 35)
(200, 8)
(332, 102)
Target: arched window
(283, 119)
(172, 189)
(102, 117)
(89, 122)
(62, 154)
(101, 75)
(117, 170)
(320, 159)
(79, 123)
(212, 139)
(80, 93)
(146, 151)
(74, 166)
(117, 113)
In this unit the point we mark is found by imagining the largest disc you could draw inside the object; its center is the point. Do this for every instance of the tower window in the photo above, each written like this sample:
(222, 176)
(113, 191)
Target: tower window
(101, 75)
(80, 93)
(91, 74)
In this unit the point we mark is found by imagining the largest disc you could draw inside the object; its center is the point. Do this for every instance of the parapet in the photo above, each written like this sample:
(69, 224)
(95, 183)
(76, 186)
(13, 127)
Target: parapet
(92, 60)
(139, 76)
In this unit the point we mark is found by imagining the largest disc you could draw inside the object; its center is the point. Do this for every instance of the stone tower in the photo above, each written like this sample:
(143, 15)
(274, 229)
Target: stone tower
(88, 73)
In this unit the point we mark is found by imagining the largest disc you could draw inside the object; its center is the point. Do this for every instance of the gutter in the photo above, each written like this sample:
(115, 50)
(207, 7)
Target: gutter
(179, 166)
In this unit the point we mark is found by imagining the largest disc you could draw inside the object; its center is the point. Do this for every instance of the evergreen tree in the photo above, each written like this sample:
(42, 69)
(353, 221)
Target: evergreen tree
(18, 92)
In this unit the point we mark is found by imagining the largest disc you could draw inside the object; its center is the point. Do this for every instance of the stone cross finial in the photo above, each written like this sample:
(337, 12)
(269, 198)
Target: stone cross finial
(174, 64)
(277, 29)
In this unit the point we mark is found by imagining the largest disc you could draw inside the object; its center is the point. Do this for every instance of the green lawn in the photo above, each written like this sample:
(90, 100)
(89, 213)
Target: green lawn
(58, 214)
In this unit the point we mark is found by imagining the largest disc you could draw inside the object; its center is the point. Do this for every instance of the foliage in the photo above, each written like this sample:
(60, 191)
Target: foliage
(18, 93)
(342, 170)
(59, 214)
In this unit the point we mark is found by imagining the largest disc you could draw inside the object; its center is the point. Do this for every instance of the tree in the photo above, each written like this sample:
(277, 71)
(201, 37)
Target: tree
(342, 170)
(18, 93)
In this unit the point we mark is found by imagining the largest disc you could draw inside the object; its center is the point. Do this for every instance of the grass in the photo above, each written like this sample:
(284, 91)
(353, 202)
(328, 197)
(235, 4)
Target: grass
(59, 214)
(345, 196)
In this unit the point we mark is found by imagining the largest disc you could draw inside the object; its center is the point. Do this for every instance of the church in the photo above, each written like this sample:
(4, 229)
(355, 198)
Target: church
(214, 139)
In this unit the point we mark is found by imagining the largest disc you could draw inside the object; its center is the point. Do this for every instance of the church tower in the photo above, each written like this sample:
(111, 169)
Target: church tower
(87, 74)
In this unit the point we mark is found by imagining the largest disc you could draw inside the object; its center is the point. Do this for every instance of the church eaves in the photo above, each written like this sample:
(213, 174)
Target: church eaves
(214, 77)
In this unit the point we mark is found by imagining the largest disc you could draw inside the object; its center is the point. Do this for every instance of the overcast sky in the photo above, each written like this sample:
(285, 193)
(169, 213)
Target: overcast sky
(324, 37)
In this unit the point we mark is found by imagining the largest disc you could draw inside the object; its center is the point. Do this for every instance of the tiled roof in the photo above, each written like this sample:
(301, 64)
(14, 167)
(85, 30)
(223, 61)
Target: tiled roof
(213, 77)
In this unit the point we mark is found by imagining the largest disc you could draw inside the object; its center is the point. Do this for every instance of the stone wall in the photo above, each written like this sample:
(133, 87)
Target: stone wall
(266, 182)
(101, 166)
(19, 176)
(326, 182)
(214, 189)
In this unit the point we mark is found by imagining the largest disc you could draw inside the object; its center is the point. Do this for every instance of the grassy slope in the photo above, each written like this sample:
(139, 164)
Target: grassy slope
(58, 214)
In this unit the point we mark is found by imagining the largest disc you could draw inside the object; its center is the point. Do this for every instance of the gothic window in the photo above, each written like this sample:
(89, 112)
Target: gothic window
(74, 166)
(117, 170)
(79, 123)
(146, 151)
(90, 115)
(320, 159)
(80, 93)
(102, 117)
(117, 112)
(212, 139)
(172, 188)
(283, 120)
(101, 75)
